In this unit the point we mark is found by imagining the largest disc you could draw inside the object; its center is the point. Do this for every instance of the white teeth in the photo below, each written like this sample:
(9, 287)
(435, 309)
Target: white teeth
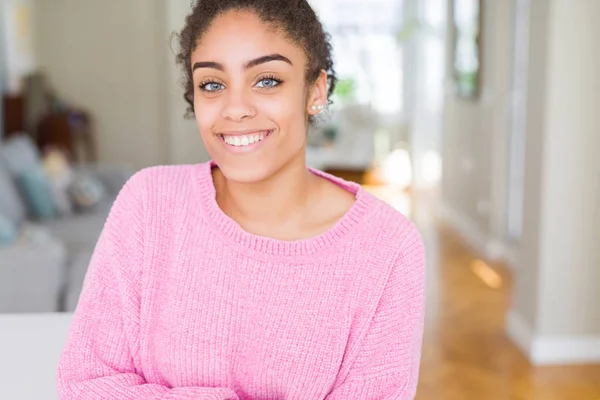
(245, 140)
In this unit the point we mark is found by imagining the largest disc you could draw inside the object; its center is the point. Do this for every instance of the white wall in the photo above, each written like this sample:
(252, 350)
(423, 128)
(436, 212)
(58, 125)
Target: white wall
(475, 136)
(555, 315)
(105, 56)
(526, 284)
(185, 145)
(571, 168)
(18, 46)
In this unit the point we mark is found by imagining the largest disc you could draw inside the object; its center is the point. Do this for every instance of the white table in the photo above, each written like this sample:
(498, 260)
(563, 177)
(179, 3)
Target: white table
(30, 346)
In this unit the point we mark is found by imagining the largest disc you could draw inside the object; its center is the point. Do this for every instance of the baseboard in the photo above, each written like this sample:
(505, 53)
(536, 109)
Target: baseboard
(565, 350)
(490, 249)
(544, 350)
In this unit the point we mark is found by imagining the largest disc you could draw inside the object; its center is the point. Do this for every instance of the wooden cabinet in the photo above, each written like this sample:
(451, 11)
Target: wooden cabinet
(14, 114)
(72, 132)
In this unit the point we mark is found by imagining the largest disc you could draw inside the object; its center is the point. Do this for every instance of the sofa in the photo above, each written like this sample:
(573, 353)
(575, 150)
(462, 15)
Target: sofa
(43, 269)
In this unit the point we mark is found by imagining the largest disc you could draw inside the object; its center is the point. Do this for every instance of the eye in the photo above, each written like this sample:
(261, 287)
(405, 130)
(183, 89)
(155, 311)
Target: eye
(211, 86)
(267, 83)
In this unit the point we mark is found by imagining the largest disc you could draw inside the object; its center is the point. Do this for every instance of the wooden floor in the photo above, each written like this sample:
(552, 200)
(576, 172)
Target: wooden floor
(466, 353)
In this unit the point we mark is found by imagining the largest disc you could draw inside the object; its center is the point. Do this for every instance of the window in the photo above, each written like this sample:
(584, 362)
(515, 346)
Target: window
(366, 50)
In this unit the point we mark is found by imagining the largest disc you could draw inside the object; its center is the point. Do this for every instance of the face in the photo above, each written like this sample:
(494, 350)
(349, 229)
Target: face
(251, 99)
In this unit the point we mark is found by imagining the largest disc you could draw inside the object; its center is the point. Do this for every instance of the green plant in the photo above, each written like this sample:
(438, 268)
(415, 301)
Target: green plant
(408, 30)
(345, 89)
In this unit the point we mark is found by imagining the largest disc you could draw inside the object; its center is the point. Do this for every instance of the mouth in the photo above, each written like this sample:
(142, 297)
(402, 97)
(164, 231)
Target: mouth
(245, 140)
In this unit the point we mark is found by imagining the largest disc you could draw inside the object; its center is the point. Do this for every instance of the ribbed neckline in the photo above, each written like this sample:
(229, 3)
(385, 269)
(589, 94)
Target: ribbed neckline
(234, 233)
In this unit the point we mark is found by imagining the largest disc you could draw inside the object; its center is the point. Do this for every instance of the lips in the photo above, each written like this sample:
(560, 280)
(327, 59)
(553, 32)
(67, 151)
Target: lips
(244, 139)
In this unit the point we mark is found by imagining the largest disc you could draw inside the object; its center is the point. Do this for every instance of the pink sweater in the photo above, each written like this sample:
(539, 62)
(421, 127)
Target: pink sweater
(180, 303)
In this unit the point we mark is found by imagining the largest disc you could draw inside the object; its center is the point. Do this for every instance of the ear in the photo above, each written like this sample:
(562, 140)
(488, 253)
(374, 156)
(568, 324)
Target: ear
(317, 97)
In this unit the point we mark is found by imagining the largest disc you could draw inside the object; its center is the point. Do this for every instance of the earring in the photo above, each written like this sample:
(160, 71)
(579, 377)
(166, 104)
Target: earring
(317, 107)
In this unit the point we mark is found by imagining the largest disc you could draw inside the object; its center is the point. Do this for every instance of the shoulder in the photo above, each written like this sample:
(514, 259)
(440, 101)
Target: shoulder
(381, 223)
(162, 181)
(405, 237)
(390, 232)
(157, 188)
(399, 237)
(392, 226)
(156, 177)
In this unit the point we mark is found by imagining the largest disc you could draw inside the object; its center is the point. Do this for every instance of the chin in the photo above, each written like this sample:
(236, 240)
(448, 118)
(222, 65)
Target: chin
(241, 172)
(243, 169)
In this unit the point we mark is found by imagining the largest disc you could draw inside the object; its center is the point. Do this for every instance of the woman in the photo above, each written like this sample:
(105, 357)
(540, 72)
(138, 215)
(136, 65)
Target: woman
(249, 277)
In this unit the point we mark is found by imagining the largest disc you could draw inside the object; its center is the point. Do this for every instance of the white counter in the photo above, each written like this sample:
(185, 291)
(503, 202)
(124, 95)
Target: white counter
(30, 346)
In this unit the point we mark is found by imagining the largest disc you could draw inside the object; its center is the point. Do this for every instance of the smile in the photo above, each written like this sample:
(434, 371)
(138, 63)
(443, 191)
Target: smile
(245, 140)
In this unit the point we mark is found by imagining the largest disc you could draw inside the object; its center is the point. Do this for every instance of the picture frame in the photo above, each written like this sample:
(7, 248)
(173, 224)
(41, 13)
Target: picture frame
(466, 64)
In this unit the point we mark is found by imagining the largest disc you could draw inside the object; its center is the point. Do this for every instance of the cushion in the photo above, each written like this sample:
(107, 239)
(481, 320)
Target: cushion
(87, 192)
(8, 231)
(59, 187)
(60, 175)
(37, 191)
(11, 203)
(18, 154)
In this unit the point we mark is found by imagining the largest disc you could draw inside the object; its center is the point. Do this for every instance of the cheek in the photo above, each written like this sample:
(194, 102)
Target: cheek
(286, 110)
(206, 114)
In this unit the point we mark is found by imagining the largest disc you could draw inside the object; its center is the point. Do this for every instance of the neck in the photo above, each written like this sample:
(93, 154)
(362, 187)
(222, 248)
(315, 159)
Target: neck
(276, 201)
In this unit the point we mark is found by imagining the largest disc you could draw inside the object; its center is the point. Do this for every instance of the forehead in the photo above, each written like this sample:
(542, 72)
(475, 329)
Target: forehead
(235, 37)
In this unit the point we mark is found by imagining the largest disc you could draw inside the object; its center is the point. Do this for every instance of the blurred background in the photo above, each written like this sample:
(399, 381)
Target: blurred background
(480, 119)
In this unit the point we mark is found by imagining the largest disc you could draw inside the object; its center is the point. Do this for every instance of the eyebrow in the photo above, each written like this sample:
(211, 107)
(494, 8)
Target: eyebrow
(248, 65)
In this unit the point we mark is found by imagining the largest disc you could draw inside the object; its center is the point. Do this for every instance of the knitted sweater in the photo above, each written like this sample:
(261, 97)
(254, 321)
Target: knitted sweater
(180, 302)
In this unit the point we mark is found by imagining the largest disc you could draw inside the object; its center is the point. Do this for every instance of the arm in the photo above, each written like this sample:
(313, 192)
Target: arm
(101, 354)
(384, 363)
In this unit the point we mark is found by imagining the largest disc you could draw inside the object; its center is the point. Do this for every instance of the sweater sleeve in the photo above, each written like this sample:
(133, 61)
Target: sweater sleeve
(100, 357)
(384, 363)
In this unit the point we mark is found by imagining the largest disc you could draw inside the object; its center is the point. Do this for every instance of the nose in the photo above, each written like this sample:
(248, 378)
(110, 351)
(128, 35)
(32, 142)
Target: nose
(238, 106)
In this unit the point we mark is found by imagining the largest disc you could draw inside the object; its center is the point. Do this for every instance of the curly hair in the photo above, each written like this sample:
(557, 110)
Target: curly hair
(295, 18)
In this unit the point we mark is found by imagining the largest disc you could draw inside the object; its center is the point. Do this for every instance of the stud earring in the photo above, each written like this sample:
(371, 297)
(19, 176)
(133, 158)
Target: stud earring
(317, 107)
